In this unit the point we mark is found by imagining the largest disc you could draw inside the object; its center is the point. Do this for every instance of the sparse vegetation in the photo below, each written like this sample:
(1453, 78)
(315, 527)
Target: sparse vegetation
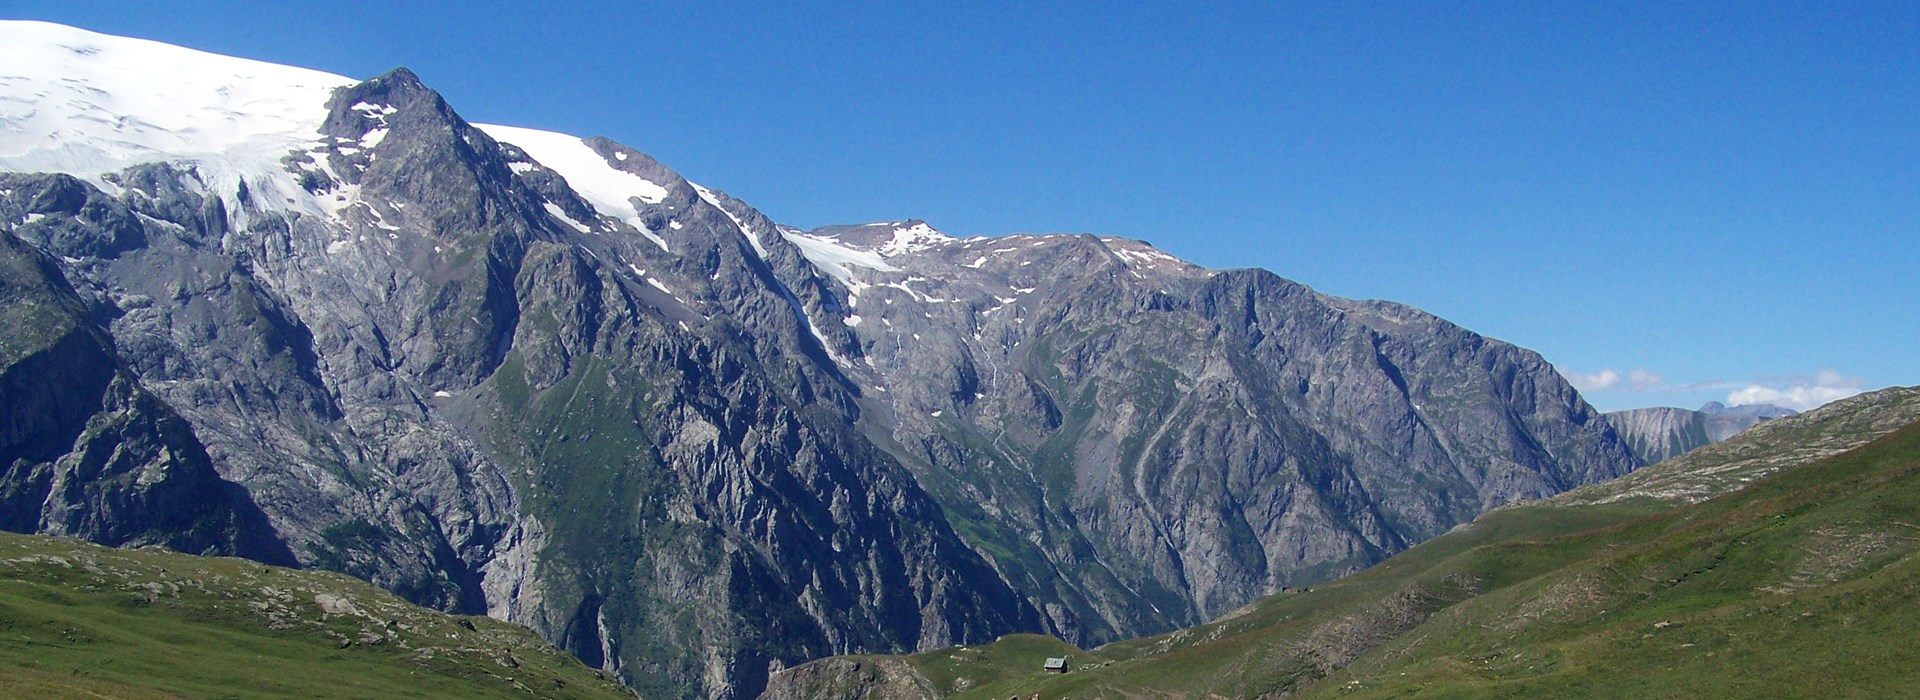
(82, 621)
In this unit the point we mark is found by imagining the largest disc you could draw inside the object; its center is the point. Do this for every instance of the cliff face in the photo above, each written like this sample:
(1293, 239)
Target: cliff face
(1138, 442)
(85, 451)
(1662, 433)
(514, 372)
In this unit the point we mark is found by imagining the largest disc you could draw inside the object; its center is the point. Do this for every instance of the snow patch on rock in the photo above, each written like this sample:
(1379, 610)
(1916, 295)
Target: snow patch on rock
(609, 190)
(836, 260)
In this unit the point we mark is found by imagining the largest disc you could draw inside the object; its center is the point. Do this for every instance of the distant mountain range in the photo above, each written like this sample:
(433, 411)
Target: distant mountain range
(325, 322)
(1757, 410)
(1659, 434)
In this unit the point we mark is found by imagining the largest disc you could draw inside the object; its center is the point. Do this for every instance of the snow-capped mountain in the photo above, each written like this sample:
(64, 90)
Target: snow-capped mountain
(547, 378)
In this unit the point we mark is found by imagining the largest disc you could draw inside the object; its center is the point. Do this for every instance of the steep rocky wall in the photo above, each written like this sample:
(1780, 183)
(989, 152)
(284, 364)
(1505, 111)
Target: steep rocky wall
(85, 451)
(1662, 433)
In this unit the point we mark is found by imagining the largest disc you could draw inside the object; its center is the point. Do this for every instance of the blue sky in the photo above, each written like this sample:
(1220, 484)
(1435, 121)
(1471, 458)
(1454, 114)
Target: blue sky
(1672, 203)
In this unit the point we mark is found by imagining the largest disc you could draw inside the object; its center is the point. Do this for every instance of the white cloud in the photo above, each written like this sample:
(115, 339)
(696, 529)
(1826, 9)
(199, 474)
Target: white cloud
(1800, 394)
(1613, 380)
(1598, 381)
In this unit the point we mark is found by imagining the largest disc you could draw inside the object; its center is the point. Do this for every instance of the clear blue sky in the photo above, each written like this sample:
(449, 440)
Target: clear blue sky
(1720, 194)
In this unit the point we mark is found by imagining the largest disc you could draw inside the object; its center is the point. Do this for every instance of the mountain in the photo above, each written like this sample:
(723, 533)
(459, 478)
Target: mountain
(507, 371)
(1759, 410)
(86, 621)
(1662, 433)
(1148, 442)
(1791, 572)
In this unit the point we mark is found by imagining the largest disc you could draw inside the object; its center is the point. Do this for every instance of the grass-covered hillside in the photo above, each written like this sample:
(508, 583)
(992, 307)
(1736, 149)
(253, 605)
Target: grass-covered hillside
(82, 621)
(1798, 580)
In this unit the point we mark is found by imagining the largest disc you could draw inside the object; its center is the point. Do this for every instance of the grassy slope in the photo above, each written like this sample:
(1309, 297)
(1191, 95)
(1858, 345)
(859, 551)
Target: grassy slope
(78, 620)
(1761, 450)
(1803, 584)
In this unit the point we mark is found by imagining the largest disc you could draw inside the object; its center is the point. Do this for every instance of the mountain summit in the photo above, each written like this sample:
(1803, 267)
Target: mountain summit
(507, 371)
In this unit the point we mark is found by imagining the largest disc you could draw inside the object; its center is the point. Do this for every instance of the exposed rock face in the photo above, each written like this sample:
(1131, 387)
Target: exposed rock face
(84, 450)
(1140, 442)
(1662, 433)
(505, 371)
